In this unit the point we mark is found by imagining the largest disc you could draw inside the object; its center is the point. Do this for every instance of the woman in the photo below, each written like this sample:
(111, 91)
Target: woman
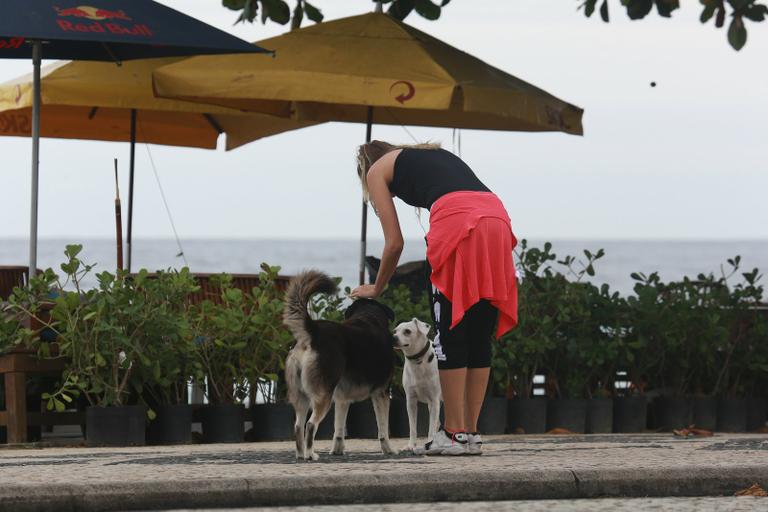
(469, 248)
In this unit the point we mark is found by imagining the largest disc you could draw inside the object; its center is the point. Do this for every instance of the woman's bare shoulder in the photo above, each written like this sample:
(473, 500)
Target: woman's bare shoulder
(385, 166)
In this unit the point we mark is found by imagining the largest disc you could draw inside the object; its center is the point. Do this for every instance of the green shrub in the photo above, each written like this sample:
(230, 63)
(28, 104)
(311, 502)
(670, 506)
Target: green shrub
(240, 340)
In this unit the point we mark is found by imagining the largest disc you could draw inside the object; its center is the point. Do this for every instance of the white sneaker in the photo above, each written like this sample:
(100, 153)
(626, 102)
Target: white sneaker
(475, 444)
(443, 444)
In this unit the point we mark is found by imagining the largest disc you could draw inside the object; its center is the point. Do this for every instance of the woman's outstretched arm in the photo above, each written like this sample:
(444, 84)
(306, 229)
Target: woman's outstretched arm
(378, 188)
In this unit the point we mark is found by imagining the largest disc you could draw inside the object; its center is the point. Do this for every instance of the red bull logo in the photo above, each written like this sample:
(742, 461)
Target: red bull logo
(13, 43)
(96, 16)
(92, 13)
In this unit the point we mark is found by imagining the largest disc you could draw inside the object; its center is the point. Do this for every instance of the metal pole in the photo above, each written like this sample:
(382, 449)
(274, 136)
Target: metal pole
(364, 226)
(130, 187)
(118, 222)
(37, 51)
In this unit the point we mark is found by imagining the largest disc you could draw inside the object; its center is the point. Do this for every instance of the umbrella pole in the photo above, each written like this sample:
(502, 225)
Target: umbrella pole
(364, 225)
(129, 236)
(118, 222)
(37, 50)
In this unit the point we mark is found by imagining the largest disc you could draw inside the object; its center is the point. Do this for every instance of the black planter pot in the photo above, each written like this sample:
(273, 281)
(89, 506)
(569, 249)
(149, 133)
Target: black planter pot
(173, 425)
(398, 419)
(731, 414)
(273, 422)
(629, 414)
(567, 413)
(493, 416)
(116, 426)
(756, 413)
(527, 416)
(705, 412)
(361, 421)
(223, 423)
(599, 416)
(672, 412)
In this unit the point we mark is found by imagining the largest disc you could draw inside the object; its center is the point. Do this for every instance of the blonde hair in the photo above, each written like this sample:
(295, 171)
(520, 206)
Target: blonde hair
(368, 154)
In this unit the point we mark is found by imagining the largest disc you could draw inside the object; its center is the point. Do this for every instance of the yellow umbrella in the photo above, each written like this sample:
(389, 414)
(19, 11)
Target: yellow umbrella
(332, 71)
(102, 101)
(369, 68)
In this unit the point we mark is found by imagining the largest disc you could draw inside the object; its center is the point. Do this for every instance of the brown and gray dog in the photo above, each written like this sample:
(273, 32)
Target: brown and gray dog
(336, 362)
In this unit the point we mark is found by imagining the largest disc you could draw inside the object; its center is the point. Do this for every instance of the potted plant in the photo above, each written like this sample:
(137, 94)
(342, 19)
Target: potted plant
(240, 341)
(640, 352)
(519, 356)
(599, 354)
(740, 353)
(755, 368)
(570, 369)
(166, 334)
(99, 334)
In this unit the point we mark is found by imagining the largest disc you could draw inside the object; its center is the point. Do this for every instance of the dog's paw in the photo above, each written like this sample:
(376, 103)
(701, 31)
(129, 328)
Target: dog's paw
(336, 451)
(311, 457)
(408, 449)
(386, 449)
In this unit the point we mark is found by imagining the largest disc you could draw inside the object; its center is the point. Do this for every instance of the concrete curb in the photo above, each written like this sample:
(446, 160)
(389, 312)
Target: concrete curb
(505, 484)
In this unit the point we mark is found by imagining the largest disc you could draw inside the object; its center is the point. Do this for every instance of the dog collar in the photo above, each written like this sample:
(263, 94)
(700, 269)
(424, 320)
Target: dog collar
(422, 352)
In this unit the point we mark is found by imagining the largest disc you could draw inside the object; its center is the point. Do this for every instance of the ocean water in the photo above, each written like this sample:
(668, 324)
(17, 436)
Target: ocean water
(672, 259)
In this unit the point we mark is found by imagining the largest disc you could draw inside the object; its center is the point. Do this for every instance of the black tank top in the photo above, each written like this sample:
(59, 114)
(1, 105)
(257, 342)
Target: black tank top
(421, 176)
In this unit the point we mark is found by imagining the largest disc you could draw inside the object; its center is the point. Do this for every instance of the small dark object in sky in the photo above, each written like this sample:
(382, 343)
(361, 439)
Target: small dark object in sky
(653, 84)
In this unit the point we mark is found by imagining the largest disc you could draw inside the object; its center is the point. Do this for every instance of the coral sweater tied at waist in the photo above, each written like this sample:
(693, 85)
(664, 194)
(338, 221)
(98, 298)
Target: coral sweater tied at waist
(469, 247)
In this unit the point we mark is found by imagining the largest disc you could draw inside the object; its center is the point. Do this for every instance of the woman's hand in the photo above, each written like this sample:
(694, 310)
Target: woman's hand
(366, 291)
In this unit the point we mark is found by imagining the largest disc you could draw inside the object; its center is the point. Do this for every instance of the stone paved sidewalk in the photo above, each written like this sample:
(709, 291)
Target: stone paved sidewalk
(722, 504)
(251, 474)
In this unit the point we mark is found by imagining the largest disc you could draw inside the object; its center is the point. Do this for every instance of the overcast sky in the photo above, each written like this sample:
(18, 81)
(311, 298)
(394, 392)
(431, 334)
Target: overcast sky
(683, 160)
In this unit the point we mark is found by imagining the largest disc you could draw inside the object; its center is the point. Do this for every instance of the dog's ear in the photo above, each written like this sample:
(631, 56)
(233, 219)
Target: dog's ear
(422, 326)
(353, 307)
(360, 302)
(388, 311)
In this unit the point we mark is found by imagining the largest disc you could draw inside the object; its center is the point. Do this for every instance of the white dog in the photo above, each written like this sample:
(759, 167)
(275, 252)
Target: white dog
(421, 380)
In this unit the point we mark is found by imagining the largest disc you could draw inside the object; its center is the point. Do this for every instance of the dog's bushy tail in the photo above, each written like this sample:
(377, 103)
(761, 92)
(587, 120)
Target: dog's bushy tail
(300, 290)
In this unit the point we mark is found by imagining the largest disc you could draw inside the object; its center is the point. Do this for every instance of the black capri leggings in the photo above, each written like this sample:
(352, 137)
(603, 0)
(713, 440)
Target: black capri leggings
(468, 345)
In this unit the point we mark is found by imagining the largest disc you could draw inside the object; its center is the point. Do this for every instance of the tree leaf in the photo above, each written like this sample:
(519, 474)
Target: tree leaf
(665, 7)
(589, 7)
(708, 12)
(235, 5)
(298, 16)
(312, 12)
(400, 9)
(720, 19)
(638, 9)
(756, 12)
(604, 11)
(427, 9)
(737, 33)
(277, 11)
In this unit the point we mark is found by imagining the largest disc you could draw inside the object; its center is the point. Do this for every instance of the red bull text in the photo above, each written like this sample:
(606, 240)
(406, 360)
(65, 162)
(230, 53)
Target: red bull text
(96, 16)
(13, 43)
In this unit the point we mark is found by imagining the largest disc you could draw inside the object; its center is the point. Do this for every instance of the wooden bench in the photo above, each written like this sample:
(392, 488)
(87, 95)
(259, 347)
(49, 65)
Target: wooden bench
(245, 282)
(16, 366)
(11, 277)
